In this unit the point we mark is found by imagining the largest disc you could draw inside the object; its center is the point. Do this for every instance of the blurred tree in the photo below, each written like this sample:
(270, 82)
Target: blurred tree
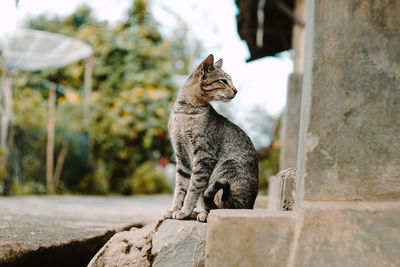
(268, 159)
(262, 126)
(132, 95)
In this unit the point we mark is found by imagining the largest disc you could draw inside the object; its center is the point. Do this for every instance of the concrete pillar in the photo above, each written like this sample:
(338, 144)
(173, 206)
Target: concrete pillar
(350, 121)
(291, 123)
(348, 168)
(291, 114)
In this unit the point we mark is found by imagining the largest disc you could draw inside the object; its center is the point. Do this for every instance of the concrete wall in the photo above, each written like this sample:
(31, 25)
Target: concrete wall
(350, 127)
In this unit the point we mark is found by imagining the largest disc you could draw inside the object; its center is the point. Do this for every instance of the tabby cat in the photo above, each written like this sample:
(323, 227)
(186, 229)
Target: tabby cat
(212, 153)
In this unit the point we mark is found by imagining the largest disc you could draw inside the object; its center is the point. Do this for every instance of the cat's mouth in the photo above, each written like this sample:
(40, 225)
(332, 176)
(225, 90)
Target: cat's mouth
(227, 99)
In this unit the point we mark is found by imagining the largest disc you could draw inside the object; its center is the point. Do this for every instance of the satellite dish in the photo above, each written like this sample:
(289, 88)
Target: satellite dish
(32, 50)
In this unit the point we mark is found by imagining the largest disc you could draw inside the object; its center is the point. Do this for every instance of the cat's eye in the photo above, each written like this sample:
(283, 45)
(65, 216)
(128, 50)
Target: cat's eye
(224, 81)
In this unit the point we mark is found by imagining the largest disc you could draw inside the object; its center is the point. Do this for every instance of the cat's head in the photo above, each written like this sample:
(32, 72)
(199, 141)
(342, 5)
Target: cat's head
(212, 83)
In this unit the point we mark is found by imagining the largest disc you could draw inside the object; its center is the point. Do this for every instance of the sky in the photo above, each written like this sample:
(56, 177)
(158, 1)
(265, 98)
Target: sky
(260, 83)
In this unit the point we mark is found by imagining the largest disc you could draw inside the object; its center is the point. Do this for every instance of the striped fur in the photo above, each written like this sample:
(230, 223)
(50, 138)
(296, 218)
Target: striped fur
(212, 153)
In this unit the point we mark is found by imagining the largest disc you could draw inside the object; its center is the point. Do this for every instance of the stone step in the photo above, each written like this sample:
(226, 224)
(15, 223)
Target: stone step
(249, 237)
(340, 233)
(322, 233)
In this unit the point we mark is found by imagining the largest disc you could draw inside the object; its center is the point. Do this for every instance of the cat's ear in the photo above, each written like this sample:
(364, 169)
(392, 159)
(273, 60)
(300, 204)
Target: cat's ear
(208, 64)
(218, 64)
(205, 67)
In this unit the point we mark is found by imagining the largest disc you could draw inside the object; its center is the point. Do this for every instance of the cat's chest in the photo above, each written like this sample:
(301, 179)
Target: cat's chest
(186, 127)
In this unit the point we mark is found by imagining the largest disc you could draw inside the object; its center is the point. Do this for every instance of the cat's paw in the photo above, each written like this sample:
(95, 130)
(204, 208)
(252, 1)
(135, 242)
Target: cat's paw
(168, 214)
(194, 215)
(202, 216)
(180, 215)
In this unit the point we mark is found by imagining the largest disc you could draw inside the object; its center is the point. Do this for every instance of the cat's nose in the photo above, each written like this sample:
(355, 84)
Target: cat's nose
(234, 90)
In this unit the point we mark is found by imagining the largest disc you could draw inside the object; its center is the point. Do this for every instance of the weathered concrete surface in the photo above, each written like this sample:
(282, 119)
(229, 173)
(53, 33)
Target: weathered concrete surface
(179, 243)
(50, 229)
(291, 122)
(129, 248)
(249, 238)
(349, 234)
(349, 138)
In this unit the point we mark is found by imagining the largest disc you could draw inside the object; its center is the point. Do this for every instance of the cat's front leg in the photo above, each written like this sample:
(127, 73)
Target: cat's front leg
(200, 213)
(198, 183)
(181, 186)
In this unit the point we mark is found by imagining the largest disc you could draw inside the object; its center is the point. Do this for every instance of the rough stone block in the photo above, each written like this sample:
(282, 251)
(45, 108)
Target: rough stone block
(249, 238)
(179, 243)
(170, 243)
(281, 190)
(288, 188)
(349, 234)
(129, 248)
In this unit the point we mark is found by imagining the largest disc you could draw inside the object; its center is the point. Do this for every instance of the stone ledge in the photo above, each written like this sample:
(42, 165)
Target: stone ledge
(249, 237)
(351, 205)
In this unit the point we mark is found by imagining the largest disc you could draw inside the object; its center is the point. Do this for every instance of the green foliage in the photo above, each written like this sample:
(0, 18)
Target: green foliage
(3, 169)
(32, 167)
(131, 131)
(132, 95)
(267, 168)
(96, 182)
(147, 180)
(27, 188)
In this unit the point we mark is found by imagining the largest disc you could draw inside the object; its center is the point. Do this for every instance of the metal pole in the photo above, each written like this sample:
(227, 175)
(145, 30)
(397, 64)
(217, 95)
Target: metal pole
(88, 91)
(50, 138)
(6, 108)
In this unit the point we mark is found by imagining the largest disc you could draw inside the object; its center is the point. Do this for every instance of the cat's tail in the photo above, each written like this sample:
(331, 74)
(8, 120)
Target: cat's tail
(212, 189)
